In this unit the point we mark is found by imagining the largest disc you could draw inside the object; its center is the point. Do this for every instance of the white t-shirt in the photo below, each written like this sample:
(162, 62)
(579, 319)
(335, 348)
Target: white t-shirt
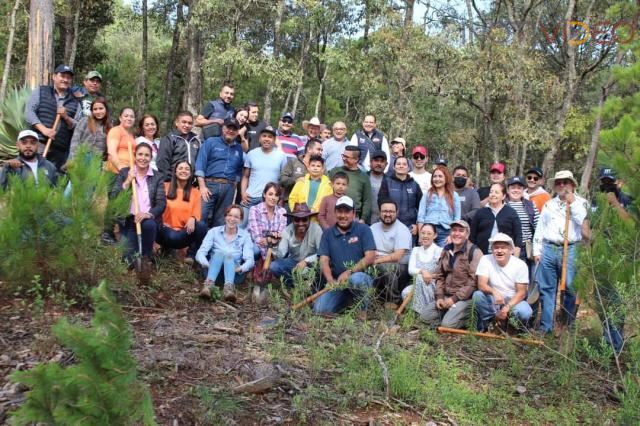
(503, 279)
(395, 238)
(423, 179)
(33, 165)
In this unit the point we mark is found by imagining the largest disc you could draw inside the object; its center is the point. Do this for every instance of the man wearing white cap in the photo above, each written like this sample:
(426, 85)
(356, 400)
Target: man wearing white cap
(548, 243)
(502, 284)
(346, 250)
(29, 162)
(312, 128)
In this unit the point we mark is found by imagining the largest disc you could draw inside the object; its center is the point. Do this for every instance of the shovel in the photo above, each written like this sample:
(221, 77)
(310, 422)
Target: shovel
(136, 210)
(55, 128)
(398, 312)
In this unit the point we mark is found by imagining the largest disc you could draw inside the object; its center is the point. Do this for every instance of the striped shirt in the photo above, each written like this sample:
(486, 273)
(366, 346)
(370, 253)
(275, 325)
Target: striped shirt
(291, 145)
(527, 230)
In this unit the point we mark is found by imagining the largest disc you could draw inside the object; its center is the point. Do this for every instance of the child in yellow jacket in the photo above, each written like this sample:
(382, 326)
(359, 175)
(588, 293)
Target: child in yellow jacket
(313, 188)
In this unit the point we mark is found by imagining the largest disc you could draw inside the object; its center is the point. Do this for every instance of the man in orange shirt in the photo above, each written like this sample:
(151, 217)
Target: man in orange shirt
(535, 188)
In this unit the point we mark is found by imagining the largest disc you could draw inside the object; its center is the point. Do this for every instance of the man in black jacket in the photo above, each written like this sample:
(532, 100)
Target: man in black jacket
(28, 163)
(180, 144)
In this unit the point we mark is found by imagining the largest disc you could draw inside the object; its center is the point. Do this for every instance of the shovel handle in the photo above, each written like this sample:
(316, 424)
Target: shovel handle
(311, 298)
(136, 208)
(405, 302)
(488, 335)
(48, 145)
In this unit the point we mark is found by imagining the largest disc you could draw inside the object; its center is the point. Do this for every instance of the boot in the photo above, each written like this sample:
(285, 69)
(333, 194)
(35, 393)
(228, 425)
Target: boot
(229, 293)
(206, 289)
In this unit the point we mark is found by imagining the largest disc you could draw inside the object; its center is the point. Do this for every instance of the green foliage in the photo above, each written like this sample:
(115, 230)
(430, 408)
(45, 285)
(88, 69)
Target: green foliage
(219, 406)
(12, 121)
(101, 388)
(54, 234)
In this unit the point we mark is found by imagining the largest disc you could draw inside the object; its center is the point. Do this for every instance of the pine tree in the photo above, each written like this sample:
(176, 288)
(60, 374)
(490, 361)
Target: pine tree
(101, 388)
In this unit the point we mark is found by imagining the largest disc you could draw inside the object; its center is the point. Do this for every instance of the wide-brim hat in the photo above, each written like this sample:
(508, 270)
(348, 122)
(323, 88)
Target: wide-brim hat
(301, 210)
(564, 174)
(315, 121)
(501, 237)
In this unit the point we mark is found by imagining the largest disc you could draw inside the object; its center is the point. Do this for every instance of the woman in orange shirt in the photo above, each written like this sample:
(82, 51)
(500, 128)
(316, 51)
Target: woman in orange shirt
(118, 141)
(181, 224)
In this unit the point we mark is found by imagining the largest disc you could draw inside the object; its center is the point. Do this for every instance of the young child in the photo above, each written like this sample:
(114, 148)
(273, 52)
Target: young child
(313, 188)
(327, 212)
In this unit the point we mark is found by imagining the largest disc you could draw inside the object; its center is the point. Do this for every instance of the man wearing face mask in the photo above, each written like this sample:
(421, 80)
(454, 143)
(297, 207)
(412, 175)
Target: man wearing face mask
(469, 198)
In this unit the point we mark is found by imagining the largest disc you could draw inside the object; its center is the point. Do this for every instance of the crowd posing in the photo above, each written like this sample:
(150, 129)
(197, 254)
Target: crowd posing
(364, 215)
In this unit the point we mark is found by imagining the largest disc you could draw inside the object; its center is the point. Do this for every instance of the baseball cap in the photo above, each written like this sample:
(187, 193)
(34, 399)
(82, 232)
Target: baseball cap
(497, 166)
(93, 74)
(231, 122)
(399, 140)
(379, 154)
(268, 129)
(537, 170)
(516, 180)
(607, 173)
(345, 201)
(27, 134)
(461, 223)
(440, 161)
(287, 115)
(501, 237)
(419, 150)
(60, 69)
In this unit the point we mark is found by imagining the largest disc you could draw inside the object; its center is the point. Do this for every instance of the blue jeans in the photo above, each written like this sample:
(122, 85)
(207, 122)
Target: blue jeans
(443, 234)
(253, 201)
(336, 301)
(170, 238)
(219, 261)
(486, 309)
(548, 275)
(220, 197)
(149, 228)
(284, 268)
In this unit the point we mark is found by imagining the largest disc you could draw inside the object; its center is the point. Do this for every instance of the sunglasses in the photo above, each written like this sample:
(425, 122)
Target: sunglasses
(287, 120)
(533, 178)
(419, 157)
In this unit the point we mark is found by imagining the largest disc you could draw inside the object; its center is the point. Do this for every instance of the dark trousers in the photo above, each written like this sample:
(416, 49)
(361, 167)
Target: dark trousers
(169, 238)
(220, 197)
(149, 229)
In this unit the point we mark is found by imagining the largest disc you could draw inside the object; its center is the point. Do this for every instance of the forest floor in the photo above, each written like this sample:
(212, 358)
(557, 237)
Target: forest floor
(214, 363)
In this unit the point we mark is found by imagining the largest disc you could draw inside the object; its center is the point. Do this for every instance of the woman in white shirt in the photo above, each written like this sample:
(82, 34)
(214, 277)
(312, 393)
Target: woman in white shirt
(148, 133)
(422, 265)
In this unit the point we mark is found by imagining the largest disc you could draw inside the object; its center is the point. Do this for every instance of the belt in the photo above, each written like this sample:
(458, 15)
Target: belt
(558, 244)
(218, 180)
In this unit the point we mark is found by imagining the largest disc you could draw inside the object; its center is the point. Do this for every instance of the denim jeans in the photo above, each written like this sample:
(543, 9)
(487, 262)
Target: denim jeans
(443, 234)
(253, 201)
(336, 301)
(149, 228)
(227, 263)
(610, 315)
(170, 238)
(548, 275)
(220, 197)
(486, 309)
(284, 268)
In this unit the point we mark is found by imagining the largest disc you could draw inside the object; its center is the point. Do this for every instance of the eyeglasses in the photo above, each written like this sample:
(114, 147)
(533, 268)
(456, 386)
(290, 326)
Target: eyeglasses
(387, 211)
(563, 182)
(346, 157)
(419, 157)
(533, 178)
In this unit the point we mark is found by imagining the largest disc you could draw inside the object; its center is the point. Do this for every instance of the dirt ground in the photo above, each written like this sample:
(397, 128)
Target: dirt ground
(191, 351)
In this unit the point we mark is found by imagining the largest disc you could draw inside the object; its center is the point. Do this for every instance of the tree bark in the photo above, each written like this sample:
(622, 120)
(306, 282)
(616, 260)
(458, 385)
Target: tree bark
(408, 12)
(76, 35)
(302, 64)
(40, 54)
(145, 62)
(320, 103)
(7, 60)
(171, 67)
(276, 53)
(192, 98)
(469, 21)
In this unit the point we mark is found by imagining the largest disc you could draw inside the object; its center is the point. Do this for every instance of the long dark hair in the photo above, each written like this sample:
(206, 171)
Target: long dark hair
(141, 125)
(173, 186)
(106, 121)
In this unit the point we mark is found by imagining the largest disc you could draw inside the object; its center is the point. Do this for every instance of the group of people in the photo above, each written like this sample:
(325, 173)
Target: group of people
(364, 212)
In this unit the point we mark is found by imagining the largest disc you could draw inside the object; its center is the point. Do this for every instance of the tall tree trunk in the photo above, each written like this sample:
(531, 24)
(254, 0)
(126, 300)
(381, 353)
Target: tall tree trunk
(595, 132)
(7, 59)
(469, 21)
(367, 25)
(171, 67)
(276, 54)
(192, 98)
(320, 110)
(302, 64)
(408, 12)
(40, 54)
(549, 162)
(145, 62)
(76, 35)
(287, 101)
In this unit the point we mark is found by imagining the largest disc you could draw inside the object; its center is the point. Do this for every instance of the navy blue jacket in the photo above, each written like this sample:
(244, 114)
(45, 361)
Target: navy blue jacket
(407, 195)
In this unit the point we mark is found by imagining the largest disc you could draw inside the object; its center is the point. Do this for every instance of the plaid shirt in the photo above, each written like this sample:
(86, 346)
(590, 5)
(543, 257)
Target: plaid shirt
(260, 225)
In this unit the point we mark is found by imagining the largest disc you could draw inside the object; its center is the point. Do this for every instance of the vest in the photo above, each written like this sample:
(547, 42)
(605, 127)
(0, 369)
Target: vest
(46, 112)
(405, 194)
(369, 145)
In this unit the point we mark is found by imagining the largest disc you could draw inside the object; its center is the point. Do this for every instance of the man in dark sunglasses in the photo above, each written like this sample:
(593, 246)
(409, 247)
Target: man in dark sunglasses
(535, 188)
(419, 172)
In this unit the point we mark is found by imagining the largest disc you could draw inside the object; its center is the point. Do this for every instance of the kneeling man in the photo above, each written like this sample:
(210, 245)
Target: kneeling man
(502, 285)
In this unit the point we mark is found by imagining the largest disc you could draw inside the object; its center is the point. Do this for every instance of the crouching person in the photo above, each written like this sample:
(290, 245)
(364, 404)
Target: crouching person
(455, 280)
(227, 248)
(298, 248)
(346, 250)
(28, 163)
(502, 285)
(181, 225)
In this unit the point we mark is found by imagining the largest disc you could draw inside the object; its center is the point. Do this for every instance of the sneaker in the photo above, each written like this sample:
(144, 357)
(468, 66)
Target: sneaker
(229, 292)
